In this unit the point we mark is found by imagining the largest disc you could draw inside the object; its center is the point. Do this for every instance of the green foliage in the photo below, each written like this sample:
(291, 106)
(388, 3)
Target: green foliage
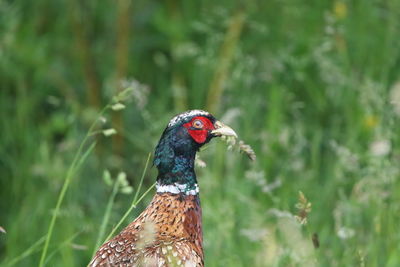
(312, 86)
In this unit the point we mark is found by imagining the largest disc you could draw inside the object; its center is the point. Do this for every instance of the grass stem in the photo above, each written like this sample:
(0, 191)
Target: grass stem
(225, 58)
(107, 213)
(26, 253)
(78, 160)
(135, 201)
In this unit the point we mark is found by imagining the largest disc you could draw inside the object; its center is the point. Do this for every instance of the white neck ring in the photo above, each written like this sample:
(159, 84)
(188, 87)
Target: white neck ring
(177, 189)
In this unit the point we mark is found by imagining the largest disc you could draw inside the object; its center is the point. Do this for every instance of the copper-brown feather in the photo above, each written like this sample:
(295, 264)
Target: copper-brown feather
(167, 233)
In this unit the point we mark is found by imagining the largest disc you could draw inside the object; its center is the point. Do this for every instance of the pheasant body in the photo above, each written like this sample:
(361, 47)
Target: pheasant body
(172, 223)
(169, 231)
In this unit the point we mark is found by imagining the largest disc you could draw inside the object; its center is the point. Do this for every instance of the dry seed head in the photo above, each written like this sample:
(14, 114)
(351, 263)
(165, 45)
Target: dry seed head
(304, 208)
(247, 150)
(232, 143)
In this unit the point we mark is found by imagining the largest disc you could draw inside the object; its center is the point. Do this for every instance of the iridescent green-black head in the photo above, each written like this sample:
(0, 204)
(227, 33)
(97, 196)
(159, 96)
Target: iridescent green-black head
(176, 150)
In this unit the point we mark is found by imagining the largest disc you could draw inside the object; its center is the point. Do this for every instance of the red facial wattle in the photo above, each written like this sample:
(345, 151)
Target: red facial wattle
(199, 135)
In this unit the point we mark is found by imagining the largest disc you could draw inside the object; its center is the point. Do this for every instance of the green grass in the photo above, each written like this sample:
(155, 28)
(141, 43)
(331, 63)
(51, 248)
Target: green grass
(312, 86)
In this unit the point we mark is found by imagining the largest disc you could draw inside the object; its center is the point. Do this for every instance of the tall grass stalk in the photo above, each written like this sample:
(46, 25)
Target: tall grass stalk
(85, 54)
(79, 158)
(135, 200)
(107, 213)
(63, 244)
(225, 58)
(122, 58)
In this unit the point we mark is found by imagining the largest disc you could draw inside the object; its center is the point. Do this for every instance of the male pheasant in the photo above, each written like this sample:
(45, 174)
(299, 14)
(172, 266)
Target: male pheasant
(169, 231)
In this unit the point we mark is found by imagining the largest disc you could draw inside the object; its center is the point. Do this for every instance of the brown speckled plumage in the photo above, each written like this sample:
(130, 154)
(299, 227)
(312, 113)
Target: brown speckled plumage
(169, 231)
(175, 236)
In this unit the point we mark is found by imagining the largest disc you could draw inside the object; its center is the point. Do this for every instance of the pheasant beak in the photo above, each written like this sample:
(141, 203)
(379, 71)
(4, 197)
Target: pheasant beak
(223, 130)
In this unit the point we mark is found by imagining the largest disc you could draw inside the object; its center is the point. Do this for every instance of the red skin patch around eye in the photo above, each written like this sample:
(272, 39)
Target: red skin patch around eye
(199, 135)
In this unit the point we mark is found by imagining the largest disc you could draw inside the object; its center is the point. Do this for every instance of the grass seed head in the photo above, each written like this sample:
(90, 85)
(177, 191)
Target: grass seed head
(304, 208)
(233, 143)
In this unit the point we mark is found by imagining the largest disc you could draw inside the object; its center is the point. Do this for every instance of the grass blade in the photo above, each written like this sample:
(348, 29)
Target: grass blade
(26, 253)
(135, 201)
(63, 244)
(106, 216)
(78, 160)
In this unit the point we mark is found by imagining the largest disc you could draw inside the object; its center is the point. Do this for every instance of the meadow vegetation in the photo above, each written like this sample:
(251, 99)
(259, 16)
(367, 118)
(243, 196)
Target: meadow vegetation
(87, 88)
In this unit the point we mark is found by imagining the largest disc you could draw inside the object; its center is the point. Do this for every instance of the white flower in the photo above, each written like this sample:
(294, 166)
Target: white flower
(380, 147)
(345, 233)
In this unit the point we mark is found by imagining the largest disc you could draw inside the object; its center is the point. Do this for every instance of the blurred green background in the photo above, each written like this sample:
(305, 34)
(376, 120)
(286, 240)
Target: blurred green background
(313, 86)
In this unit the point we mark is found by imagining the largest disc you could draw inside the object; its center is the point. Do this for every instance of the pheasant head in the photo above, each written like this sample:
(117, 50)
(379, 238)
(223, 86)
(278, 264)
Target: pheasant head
(176, 150)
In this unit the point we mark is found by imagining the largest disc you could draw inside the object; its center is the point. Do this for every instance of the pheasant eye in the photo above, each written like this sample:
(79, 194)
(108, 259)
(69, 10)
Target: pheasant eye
(198, 124)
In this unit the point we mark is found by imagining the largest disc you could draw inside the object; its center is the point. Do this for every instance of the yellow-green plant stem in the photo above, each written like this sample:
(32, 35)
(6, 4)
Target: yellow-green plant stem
(77, 161)
(106, 216)
(26, 253)
(63, 244)
(129, 211)
(225, 58)
(135, 201)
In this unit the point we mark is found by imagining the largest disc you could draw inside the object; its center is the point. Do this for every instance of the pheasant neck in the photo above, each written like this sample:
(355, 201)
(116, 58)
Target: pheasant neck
(174, 159)
(178, 178)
